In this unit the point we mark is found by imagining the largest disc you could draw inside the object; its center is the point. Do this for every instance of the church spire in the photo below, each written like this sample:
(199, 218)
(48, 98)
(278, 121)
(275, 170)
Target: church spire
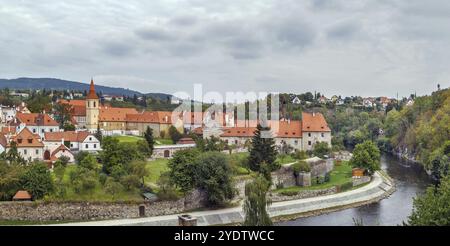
(92, 94)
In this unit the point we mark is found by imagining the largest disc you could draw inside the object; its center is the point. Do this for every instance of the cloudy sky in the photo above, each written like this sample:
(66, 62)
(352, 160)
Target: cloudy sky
(348, 47)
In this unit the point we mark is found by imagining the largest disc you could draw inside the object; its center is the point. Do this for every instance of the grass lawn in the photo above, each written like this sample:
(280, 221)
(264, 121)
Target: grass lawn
(340, 175)
(285, 159)
(128, 139)
(163, 141)
(155, 168)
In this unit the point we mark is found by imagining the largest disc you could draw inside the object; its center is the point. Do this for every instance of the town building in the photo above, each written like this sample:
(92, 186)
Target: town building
(29, 145)
(75, 140)
(36, 123)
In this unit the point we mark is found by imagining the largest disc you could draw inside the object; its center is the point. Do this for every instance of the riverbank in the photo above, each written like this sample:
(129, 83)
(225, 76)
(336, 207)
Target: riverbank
(379, 188)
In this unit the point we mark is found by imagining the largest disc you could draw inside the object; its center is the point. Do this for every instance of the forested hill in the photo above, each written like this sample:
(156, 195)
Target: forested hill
(59, 84)
(422, 131)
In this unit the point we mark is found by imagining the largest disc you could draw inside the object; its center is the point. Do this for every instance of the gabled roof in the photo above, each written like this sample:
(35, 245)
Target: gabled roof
(314, 122)
(115, 114)
(3, 141)
(71, 136)
(34, 119)
(22, 195)
(26, 138)
(8, 130)
(62, 148)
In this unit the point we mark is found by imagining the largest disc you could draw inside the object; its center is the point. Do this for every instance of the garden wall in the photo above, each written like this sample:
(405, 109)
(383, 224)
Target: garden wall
(277, 197)
(45, 211)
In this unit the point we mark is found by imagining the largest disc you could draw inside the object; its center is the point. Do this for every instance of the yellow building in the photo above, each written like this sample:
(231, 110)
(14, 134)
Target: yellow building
(92, 108)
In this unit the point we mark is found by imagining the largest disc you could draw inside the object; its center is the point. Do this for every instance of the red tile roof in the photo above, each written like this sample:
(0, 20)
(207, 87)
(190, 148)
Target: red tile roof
(238, 132)
(26, 138)
(22, 195)
(63, 148)
(71, 136)
(3, 141)
(8, 130)
(115, 114)
(35, 119)
(314, 122)
(92, 94)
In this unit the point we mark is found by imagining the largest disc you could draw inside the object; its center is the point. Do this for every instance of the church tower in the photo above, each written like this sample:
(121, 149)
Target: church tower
(92, 108)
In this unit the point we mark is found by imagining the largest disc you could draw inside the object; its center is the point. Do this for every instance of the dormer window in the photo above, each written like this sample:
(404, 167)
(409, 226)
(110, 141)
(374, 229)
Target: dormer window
(19, 140)
(30, 141)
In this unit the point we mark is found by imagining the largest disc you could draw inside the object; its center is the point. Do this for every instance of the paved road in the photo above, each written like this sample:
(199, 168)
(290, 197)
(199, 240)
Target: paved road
(377, 189)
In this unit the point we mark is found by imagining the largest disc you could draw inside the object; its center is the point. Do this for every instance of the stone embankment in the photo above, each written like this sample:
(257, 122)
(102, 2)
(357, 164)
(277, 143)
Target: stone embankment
(380, 187)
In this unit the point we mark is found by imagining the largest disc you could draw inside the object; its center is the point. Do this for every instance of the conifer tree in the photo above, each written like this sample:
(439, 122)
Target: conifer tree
(262, 151)
(148, 135)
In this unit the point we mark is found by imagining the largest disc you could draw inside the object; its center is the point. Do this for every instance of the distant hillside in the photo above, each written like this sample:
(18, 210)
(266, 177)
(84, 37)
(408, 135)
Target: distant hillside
(59, 84)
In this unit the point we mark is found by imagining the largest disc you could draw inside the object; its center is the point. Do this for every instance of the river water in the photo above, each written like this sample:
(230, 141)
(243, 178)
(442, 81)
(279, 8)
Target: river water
(410, 180)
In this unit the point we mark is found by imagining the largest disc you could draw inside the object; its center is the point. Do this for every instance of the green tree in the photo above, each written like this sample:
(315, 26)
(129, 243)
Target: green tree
(367, 156)
(213, 174)
(174, 134)
(112, 187)
(181, 169)
(37, 180)
(139, 169)
(68, 127)
(13, 156)
(144, 149)
(214, 144)
(256, 203)
(262, 150)
(148, 135)
(98, 133)
(9, 180)
(83, 180)
(321, 149)
(432, 208)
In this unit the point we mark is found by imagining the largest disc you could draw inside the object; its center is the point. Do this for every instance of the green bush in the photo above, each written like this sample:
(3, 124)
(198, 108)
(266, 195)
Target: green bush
(299, 155)
(327, 177)
(345, 186)
(289, 193)
(301, 167)
(320, 179)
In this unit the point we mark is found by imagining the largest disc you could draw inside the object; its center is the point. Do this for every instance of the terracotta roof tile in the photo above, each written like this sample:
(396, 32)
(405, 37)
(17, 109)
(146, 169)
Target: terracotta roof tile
(35, 119)
(71, 136)
(115, 114)
(26, 138)
(314, 122)
(22, 195)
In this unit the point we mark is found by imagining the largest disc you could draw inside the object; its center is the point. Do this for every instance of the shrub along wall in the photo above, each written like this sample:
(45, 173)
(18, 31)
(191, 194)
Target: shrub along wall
(47, 211)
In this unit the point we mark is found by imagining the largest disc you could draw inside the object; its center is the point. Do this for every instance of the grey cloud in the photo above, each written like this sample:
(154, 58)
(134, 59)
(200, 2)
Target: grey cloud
(155, 34)
(343, 31)
(293, 33)
(184, 21)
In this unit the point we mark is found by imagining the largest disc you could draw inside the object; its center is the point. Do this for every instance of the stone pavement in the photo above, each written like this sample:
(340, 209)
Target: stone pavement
(377, 189)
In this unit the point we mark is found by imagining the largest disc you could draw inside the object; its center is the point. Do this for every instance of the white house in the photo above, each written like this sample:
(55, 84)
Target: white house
(296, 100)
(62, 150)
(36, 123)
(7, 113)
(75, 141)
(314, 130)
(29, 145)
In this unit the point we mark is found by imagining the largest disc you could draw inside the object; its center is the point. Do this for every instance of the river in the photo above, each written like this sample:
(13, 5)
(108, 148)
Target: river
(410, 180)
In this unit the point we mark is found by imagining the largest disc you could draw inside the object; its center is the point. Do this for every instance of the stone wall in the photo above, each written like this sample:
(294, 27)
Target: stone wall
(283, 177)
(277, 197)
(44, 211)
(360, 180)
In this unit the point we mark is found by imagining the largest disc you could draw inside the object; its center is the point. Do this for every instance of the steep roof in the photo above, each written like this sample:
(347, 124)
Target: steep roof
(238, 132)
(34, 119)
(92, 94)
(289, 129)
(8, 130)
(22, 195)
(26, 138)
(62, 148)
(115, 114)
(314, 122)
(71, 136)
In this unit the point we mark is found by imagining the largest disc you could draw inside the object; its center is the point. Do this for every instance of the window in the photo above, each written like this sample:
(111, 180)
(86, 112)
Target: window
(296, 142)
(87, 146)
(89, 104)
(51, 129)
(309, 134)
(322, 134)
(71, 145)
(235, 142)
(37, 152)
(30, 140)
(34, 130)
(19, 140)
(25, 151)
(90, 138)
(42, 130)
(309, 143)
(95, 146)
(95, 104)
